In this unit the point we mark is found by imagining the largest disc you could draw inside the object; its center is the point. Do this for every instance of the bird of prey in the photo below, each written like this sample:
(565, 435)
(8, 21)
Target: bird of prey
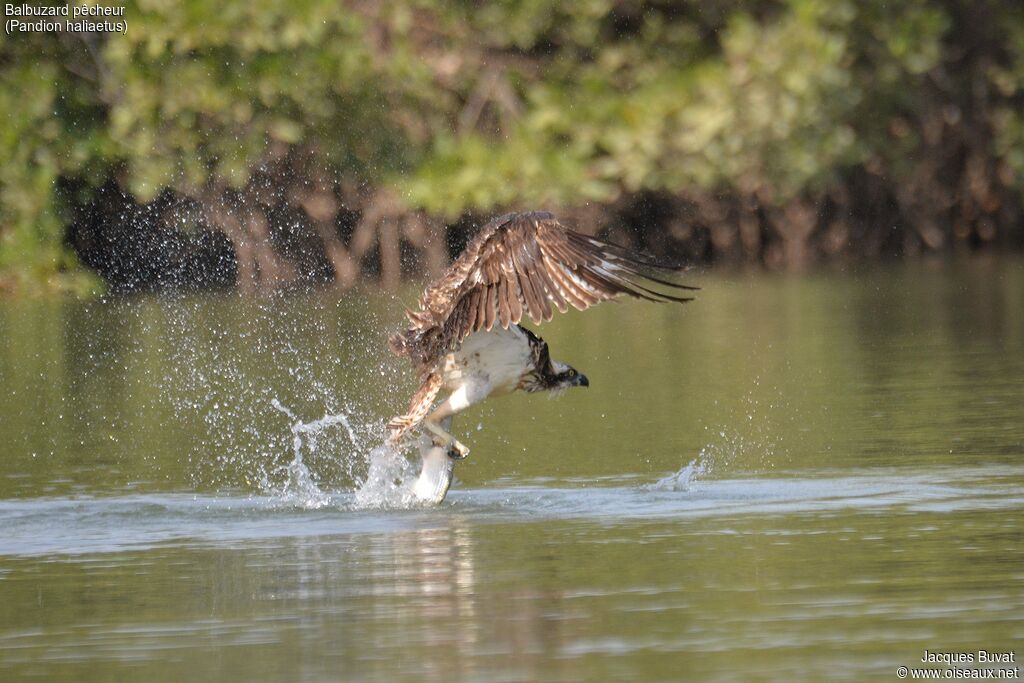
(466, 338)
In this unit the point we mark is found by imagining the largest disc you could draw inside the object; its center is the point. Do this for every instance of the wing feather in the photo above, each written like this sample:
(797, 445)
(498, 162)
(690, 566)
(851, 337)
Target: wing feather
(577, 296)
(525, 265)
(491, 306)
(481, 309)
(543, 296)
(531, 299)
(473, 303)
(504, 310)
(554, 293)
(515, 297)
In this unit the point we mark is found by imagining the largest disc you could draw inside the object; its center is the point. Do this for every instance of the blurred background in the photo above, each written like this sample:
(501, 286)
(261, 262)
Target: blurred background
(267, 145)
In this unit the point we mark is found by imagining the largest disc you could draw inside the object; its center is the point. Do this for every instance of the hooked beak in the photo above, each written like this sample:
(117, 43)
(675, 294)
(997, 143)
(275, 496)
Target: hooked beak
(581, 380)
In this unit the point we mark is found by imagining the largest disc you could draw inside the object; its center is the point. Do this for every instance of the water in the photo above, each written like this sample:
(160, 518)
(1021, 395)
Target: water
(794, 478)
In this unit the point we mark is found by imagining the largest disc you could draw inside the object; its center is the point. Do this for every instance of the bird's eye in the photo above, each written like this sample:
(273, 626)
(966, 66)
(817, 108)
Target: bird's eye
(572, 373)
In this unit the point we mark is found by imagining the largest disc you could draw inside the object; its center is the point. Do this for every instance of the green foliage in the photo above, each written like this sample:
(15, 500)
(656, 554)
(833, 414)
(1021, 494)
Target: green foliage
(468, 107)
(39, 145)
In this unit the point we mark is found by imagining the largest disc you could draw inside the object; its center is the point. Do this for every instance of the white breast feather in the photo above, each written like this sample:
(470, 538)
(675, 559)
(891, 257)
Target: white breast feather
(487, 362)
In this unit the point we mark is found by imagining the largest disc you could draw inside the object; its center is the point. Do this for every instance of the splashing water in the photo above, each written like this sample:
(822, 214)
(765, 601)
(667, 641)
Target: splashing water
(300, 486)
(684, 478)
(727, 445)
(750, 442)
(234, 360)
(389, 483)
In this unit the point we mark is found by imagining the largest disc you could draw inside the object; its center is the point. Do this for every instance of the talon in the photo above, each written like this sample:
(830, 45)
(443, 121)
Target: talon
(457, 451)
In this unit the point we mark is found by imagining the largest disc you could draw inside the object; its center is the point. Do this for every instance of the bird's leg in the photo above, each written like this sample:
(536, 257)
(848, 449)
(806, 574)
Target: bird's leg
(442, 437)
(445, 410)
(456, 449)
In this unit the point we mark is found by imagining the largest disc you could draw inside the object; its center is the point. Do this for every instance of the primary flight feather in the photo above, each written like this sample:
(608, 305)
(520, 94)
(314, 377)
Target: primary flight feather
(465, 337)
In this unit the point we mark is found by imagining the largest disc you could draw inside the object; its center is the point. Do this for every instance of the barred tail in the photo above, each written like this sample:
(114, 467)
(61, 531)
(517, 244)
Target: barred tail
(419, 407)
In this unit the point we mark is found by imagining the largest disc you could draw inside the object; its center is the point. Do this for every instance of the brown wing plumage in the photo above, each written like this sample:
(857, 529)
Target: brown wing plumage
(519, 265)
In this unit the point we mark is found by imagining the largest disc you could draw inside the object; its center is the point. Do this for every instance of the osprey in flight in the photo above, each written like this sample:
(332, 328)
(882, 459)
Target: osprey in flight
(466, 338)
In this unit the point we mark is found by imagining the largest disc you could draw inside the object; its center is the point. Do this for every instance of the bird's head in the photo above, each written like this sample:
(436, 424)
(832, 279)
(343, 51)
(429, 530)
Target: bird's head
(566, 376)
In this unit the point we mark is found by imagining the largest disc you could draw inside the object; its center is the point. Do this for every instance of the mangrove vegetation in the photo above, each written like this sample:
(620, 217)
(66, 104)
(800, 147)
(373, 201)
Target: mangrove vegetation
(268, 144)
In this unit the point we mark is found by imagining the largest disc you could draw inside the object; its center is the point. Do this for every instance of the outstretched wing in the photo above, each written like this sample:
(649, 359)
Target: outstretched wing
(520, 265)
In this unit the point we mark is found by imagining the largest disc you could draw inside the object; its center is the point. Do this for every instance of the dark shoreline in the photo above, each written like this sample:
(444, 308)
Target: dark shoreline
(135, 247)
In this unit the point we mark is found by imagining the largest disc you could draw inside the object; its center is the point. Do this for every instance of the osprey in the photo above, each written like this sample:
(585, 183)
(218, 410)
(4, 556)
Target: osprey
(465, 337)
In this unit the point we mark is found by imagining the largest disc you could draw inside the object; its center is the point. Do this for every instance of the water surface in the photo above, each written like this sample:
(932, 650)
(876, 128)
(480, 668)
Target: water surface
(795, 477)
